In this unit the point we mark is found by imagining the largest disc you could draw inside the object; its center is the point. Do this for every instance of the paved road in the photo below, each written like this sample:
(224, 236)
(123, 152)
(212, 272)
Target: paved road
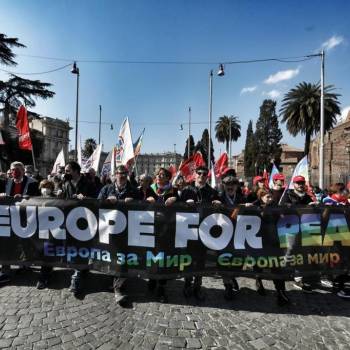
(54, 319)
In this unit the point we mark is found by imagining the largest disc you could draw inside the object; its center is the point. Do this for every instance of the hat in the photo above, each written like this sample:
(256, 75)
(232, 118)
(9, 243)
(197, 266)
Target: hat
(230, 180)
(299, 178)
(229, 172)
(278, 176)
(257, 179)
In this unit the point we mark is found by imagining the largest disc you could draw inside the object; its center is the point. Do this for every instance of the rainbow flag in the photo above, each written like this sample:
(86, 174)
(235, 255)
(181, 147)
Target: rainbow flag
(273, 172)
(137, 145)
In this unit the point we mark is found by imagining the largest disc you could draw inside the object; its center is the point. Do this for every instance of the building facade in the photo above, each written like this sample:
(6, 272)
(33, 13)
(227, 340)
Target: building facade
(336, 155)
(56, 136)
(290, 157)
(149, 163)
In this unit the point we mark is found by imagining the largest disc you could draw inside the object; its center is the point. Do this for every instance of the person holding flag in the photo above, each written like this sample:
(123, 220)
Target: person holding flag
(277, 188)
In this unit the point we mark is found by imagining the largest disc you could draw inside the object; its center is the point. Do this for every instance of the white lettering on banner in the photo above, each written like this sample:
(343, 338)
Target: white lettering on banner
(111, 222)
(18, 229)
(5, 228)
(72, 220)
(183, 232)
(216, 243)
(246, 229)
(50, 220)
(141, 222)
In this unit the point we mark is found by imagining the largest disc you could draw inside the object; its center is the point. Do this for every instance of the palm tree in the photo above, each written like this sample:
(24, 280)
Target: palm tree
(89, 147)
(6, 54)
(222, 129)
(17, 91)
(301, 110)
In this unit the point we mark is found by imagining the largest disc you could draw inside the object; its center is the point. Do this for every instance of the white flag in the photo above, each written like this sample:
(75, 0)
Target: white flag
(60, 161)
(125, 147)
(93, 161)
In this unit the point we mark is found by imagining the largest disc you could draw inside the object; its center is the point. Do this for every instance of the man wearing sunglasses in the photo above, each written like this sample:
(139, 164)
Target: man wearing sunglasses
(199, 192)
(120, 190)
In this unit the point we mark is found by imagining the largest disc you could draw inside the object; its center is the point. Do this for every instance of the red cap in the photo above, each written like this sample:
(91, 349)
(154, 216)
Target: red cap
(257, 179)
(278, 176)
(299, 178)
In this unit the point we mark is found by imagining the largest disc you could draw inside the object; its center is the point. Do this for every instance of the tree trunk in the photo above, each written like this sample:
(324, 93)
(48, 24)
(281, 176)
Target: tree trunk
(307, 143)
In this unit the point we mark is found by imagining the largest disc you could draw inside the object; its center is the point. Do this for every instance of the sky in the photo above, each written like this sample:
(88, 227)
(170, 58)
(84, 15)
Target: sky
(156, 96)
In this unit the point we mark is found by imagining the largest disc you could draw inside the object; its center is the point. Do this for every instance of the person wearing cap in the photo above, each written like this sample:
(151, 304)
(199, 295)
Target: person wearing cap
(123, 191)
(278, 187)
(298, 196)
(200, 192)
(231, 197)
(258, 183)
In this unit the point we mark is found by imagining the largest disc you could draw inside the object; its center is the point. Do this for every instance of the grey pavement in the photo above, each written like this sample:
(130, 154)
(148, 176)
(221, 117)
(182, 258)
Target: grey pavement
(55, 319)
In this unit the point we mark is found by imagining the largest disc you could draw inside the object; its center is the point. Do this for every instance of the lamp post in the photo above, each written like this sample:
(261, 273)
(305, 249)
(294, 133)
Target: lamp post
(75, 70)
(321, 173)
(220, 73)
(189, 133)
(99, 127)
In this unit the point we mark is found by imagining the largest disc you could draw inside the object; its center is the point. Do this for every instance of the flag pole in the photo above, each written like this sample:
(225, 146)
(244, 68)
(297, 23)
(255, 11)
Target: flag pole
(33, 158)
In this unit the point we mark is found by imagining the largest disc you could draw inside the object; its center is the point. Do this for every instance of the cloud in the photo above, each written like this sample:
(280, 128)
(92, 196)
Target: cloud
(248, 89)
(272, 94)
(332, 42)
(282, 75)
(344, 113)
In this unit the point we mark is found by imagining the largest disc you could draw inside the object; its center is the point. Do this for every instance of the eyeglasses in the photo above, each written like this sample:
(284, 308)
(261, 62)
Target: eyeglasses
(161, 175)
(203, 173)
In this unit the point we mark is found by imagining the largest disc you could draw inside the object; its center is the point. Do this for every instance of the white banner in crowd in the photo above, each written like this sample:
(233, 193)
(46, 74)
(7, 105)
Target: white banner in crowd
(125, 146)
(93, 161)
(60, 161)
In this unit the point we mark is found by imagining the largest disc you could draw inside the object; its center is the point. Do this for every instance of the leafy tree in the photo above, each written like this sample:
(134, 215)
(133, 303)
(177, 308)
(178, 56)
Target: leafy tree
(301, 110)
(6, 54)
(202, 146)
(192, 147)
(268, 136)
(17, 91)
(249, 152)
(89, 147)
(222, 130)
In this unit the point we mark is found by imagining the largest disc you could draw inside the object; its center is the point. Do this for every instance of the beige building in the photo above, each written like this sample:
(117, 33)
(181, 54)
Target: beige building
(290, 157)
(336, 155)
(149, 163)
(56, 136)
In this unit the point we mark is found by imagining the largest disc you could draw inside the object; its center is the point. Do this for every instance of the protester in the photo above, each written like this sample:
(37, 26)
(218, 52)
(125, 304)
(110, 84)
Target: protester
(337, 195)
(17, 186)
(265, 199)
(199, 193)
(298, 196)
(278, 187)
(94, 182)
(121, 190)
(76, 186)
(165, 194)
(258, 183)
(47, 191)
(145, 187)
(231, 197)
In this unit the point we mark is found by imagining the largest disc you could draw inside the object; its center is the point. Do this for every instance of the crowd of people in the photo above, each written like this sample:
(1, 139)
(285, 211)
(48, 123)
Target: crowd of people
(69, 183)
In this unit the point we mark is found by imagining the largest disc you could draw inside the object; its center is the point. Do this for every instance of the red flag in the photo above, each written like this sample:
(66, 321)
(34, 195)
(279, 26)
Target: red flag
(22, 125)
(173, 171)
(188, 167)
(266, 178)
(221, 165)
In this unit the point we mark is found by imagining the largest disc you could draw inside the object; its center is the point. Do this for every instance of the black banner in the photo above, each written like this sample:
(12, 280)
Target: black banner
(151, 240)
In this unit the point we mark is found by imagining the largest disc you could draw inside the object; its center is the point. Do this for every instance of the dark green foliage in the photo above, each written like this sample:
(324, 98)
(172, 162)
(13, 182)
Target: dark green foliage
(301, 110)
(202, 146)
(249, 152)
(192, 147)
(222, 130)
(6, 54)
(267, 137)
(89, 147)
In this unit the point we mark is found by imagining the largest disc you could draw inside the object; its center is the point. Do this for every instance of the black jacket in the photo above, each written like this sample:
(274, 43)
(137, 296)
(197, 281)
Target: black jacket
(111, 190)
(232, 202)
(30, 187)
(292, 198)
(205, 194)
(83, 187)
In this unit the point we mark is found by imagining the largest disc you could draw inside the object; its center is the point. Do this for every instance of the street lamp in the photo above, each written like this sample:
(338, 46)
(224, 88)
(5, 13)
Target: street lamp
(75, 70)
(220, 73)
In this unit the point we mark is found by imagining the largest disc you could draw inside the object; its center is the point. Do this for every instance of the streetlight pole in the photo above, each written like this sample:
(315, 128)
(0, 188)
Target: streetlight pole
(229, 145)
(321, 166)
(220, 74)
(189, 133)
(99, 127)
(75, 70)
